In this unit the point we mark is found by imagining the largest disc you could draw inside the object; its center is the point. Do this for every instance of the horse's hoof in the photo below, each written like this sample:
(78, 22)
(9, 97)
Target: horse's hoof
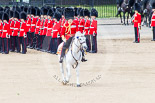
(78, 85)
(64, 82)
(67, 82)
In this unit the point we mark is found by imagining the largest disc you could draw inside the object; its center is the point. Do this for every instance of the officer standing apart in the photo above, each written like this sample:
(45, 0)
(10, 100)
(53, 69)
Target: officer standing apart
(137, 22)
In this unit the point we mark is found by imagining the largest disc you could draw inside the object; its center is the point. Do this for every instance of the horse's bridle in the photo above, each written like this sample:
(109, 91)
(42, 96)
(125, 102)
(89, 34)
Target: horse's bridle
(80, 49)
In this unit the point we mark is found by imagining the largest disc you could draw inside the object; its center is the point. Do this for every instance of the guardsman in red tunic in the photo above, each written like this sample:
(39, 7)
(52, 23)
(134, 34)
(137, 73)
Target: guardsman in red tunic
(37, 30)
(153, 21)
(87, 27)
(41, 32)
(45, 10)
(68, 31)
(5, 34)
(33, 26)
(22, 34)
(93, 30)
(137, 22)
(28, 24)
(55, 33)
(81, 22)
(15, 43)
(1, 28)
(11, 22)
(76, 19)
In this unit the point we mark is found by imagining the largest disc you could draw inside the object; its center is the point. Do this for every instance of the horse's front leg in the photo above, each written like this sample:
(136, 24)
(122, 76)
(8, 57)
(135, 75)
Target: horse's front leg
(121, 17)
(127, 18)
(68, 73)
(62, 73)
(124, 18)
(77, 76)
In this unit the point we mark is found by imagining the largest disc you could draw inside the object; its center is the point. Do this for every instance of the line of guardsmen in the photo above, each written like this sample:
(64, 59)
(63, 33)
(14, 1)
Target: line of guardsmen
(44, 28)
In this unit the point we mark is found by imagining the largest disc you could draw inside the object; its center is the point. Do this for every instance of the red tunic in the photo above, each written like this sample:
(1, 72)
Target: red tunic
(93, 27)
(42, 27)
(37, 26)
(87, 27)
(56, 29)
(33, 24)
(22, 29)
(45, 27)
(81, 25)
(137, 19)
(153, 20)
(69, 30)
(11, 27)
(16, 28)
(1, 28)
(49, 28)
(28, 24)
(6, 30)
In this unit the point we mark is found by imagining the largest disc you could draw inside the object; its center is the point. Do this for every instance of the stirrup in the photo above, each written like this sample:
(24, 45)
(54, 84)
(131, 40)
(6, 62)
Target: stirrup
(61, 60)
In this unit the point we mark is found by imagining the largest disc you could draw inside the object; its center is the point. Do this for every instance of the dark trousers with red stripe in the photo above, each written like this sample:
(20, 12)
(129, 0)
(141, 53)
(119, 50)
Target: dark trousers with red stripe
(32, 36)
(46, 43)
(154, 33)
(0, 44)
(94, 43)
(53, 45)
(28, 38)
(88, 42)
(37, 41)
(137, 34)
(14, 42)
(22, 42)
(5, 45)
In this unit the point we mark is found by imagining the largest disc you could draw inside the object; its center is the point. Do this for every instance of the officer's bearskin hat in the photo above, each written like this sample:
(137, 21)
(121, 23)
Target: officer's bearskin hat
(44, 11)
(22, 8)
(81, 12)
(1, 8)
(10, 14)
(57, 16)
(18, 9)
(1, 15)
(76, 11)
(137, 7)
(86, 12)
(23, 15)
(5, 17)
(7, 11)
(33, 11)
(16, 14)
(94, 12)
(153, 5)
(25, 9)
(69, 13)
(38, 12)
(50, 11)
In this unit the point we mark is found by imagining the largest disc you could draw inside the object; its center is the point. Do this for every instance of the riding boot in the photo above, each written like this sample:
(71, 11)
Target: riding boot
(62, 55)
(83, 57)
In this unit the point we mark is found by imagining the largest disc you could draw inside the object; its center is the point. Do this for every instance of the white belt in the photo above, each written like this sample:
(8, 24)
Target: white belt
(153, 19)
(80, 26)
(49, 28)
(21, 29)
(37, 26)
(33, 25)
(28, 25)
(86, 27)
(4, 30)
(91, 27)
(15, 28)
(55, 30)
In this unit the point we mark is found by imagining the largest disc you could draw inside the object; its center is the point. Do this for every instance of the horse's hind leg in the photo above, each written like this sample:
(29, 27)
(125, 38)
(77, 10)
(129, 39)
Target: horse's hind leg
(62, 73)
(77, 76)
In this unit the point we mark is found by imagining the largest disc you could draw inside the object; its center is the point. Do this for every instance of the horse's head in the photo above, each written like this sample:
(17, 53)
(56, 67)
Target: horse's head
(80, 39)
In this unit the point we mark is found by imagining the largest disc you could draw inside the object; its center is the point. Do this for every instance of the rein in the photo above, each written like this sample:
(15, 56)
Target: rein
(77, 52)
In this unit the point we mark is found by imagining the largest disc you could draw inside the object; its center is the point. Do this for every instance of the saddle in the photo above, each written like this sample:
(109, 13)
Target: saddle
(60, 49)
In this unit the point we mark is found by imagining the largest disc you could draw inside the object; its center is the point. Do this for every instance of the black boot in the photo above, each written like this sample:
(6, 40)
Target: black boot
(62, 55)
(83, 59)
